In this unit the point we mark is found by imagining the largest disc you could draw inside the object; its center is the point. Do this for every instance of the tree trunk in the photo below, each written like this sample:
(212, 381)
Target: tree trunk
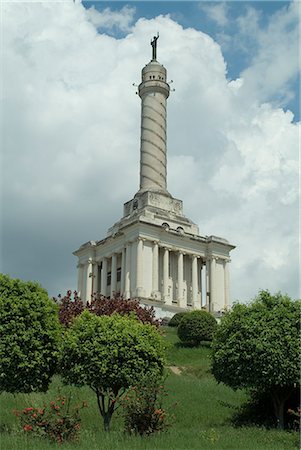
(279, 398)
(107, 420)
(106, 414)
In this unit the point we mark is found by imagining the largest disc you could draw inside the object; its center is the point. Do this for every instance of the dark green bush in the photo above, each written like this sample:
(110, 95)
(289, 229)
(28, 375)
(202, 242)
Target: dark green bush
(196, 326)
(30, 334)
(176, 319)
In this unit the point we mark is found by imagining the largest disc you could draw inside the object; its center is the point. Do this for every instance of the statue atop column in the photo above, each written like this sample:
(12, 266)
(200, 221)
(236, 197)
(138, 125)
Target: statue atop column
(154, 45)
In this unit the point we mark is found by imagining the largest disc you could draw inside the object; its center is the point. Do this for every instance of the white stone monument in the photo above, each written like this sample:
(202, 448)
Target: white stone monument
(154, 253)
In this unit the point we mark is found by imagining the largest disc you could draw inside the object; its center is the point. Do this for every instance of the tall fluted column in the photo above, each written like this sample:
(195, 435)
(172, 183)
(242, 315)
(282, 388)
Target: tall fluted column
(201, 282)
(80, 279)
(153, 91)
(226, 284)
(155, 273)
(104, 276)
(194, 281)
(180, 280)
(89, 281)
(122, 275)
(113, 274)
(208, 295)
(212, 283)
(139, 271)
(127, 287)
(95, 279)
(166, 297)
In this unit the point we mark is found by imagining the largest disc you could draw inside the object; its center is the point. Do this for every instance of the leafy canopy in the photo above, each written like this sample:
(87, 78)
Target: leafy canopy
(109, 354)
(30, 334)
(257, 345)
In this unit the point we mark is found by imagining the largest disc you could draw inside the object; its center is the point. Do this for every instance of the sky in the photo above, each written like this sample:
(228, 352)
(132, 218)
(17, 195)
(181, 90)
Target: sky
(71, 129)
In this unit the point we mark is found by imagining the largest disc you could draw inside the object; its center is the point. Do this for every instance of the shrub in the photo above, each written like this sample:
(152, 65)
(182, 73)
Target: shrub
(143, 408)
(196, 326)
(30, 334)
(69, 308)
(109, 354)
(176, 319)
(257, 347)
(56, 421)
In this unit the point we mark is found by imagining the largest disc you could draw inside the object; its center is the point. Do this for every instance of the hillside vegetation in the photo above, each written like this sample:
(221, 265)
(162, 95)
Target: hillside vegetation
(202, 410)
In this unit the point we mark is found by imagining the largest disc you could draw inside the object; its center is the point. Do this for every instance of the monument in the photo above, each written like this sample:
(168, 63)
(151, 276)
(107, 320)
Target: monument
(155, 253)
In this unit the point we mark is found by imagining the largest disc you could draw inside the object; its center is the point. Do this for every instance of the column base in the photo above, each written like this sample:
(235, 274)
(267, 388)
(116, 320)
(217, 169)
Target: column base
(127, 295)
(167, 300)
(182, 303)
(140, 292)
(156, 295)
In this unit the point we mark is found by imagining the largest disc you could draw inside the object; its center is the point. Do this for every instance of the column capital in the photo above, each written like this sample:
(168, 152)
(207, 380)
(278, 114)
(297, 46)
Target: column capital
(211, 258)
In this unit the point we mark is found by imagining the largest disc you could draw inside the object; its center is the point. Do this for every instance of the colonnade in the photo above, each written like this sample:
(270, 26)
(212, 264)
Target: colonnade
(127, 271)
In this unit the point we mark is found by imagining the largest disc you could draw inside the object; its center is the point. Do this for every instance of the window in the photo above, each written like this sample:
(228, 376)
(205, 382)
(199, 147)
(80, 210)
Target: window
(118, 274)
(109, 279)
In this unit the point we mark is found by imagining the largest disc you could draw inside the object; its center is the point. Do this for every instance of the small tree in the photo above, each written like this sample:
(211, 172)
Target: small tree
(109, 354)
(29, 336)
(257, 346)
(196, 326)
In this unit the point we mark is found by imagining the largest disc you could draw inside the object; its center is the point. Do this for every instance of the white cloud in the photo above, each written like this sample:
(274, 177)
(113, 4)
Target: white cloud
(276, 63)
(108, 19)
(72, 123)
(217, 12)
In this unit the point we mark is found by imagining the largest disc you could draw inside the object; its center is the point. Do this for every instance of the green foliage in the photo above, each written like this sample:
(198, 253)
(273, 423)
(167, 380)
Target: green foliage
(196, 326)
(30, 334)
(257, 346)
(143, 407)
(57, 421)
(176, 319)
(202, 416)
(109, 354)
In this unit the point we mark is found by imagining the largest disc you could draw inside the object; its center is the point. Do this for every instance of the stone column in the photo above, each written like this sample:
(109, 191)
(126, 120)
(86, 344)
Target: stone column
(212, 283)
(139, 269)
(89, 280)
(95, 279)
(226, 284)
(153, 91)
(180, 280)
(155, 273)
(104, 275)
(208, 297)
(79, 279)
(127, 284)
(194, 265)
(122, 275)
(113, 274)
(166, 297)
(201, 282)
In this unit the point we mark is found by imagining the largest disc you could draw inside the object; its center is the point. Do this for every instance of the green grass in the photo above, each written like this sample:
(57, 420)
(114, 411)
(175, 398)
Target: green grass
(202, 414)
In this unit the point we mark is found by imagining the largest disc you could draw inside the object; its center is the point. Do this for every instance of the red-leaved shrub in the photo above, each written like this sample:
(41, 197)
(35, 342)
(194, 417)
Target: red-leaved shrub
(69, 308)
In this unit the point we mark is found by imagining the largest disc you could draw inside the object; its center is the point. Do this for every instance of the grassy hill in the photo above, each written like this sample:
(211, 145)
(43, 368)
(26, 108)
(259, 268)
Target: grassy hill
(202, 415)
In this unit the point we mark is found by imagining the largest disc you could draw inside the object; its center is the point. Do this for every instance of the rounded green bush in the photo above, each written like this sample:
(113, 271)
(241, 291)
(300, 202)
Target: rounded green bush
(109, 354)
(196, 326)
(30, 335)
(176, 319)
